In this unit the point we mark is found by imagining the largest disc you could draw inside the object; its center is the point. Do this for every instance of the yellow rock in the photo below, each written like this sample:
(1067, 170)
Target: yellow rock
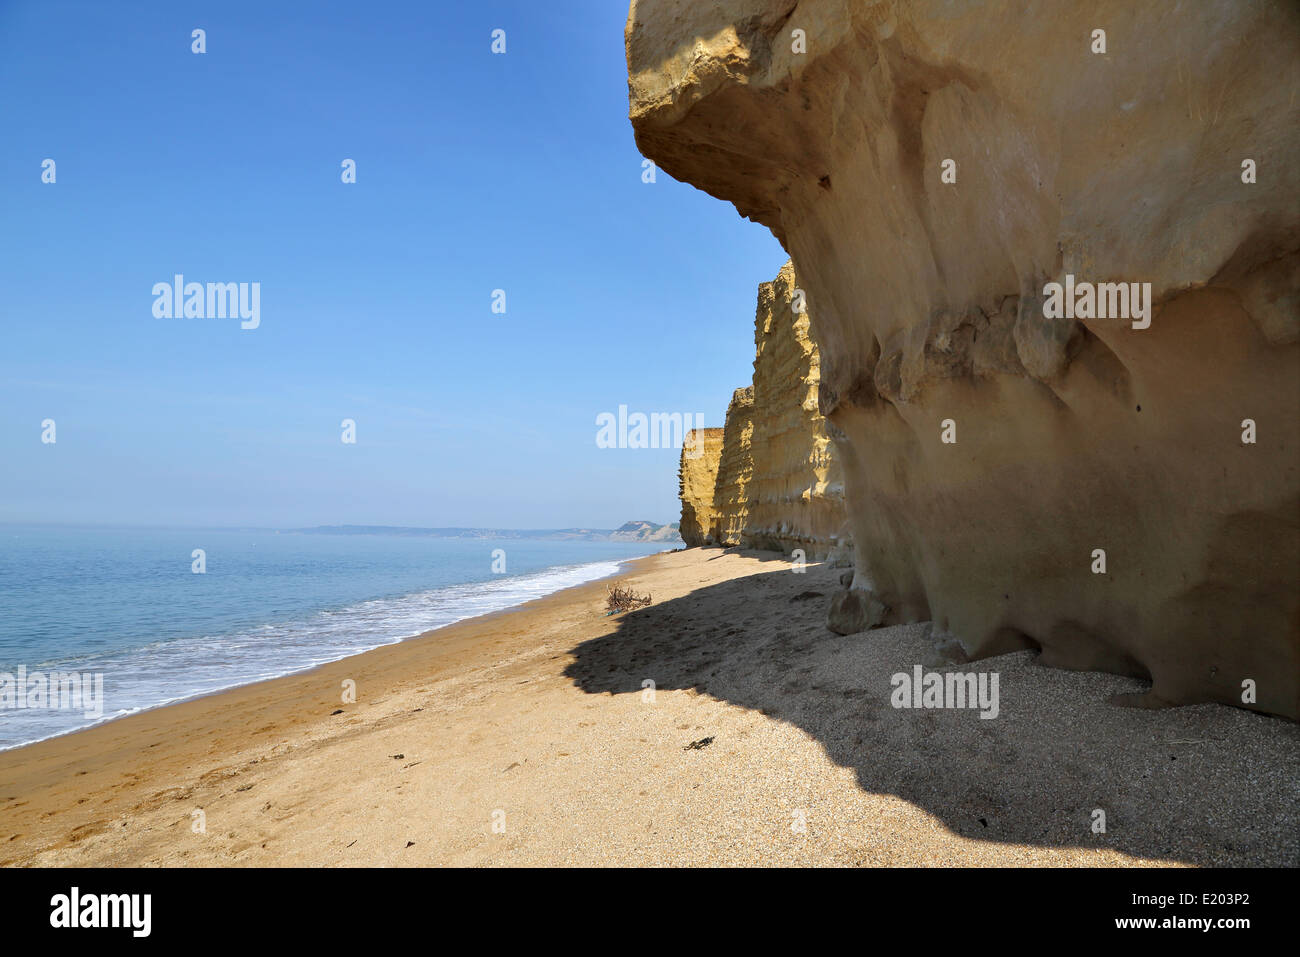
(934, 169)
(775, 481)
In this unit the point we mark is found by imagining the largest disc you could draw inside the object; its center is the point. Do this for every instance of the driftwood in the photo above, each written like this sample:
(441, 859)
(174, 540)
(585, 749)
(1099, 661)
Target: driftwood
(622, 599)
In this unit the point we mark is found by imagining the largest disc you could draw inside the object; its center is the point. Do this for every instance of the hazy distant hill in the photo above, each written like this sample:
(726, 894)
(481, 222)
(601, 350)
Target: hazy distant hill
(645, 532)
(628, 532)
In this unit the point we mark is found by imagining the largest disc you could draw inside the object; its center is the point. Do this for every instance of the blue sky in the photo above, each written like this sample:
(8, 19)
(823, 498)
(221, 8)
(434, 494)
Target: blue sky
(475, 172)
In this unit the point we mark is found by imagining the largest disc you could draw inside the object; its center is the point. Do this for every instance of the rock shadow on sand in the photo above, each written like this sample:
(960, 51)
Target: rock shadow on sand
(1206, 784)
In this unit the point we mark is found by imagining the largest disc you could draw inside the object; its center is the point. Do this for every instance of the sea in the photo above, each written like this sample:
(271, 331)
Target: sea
(138, 607)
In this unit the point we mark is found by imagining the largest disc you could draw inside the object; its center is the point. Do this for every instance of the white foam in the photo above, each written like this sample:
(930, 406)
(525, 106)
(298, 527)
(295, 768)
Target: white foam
(165, 672)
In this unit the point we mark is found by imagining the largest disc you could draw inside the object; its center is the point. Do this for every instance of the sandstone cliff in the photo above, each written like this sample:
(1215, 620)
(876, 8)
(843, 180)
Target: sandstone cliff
(1123, 496)
(796, 491)
(698, 476)
(735, 469)
(776, 483)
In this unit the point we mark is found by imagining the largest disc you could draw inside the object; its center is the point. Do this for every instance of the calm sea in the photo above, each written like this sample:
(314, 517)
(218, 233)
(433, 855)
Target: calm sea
(125, 603)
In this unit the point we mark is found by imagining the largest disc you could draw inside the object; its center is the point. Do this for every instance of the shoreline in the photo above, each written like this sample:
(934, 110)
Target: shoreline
(620, 563)
(759, 717)
(300, 698)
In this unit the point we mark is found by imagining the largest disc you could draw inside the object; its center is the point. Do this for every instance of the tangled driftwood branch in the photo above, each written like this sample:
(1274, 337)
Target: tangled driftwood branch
(622, 599)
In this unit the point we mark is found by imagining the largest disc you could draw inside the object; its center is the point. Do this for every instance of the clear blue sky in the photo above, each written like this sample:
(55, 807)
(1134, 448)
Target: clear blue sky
(475, 172)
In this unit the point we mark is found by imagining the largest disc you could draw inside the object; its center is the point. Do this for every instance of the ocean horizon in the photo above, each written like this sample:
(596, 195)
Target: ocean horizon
(161, 624)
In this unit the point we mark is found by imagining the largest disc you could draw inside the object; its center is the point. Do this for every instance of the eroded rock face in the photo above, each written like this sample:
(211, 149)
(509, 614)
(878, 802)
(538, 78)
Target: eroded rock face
(735, 469)
(796, 489)
(697, 478)
(777, 484)
(1071, 434)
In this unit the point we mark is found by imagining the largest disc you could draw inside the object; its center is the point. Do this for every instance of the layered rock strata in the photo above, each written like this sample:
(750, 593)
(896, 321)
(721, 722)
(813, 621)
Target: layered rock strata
(777, 485)
(697, 478)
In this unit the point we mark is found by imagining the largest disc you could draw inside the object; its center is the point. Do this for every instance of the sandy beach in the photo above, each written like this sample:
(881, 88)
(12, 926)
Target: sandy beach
(537, 720)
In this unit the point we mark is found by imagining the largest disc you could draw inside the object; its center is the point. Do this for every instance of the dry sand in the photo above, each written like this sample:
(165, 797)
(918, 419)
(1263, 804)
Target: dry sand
(540, 714)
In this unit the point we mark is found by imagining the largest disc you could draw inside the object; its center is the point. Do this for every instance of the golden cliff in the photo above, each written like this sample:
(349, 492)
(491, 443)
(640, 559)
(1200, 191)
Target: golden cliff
(1032, 459)
(735, 469)
(775, 481)
(698, 476)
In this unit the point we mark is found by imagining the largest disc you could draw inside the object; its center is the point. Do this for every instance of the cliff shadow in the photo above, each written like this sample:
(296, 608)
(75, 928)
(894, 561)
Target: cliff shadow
(758, 554)
(1206, 784)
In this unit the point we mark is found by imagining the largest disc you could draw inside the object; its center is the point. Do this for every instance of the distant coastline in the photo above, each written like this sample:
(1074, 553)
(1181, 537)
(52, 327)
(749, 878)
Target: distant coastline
(637, 531)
